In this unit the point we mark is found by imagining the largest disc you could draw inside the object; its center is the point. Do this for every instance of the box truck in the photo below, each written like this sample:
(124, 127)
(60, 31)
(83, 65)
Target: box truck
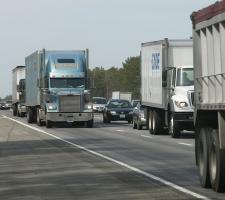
(209, 79)
(57, 87)
(18, 91)
(122, 95)
(167, 85)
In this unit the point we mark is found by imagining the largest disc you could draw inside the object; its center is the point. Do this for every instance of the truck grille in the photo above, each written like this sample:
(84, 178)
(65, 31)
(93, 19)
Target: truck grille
(71, 103)
(191, 97)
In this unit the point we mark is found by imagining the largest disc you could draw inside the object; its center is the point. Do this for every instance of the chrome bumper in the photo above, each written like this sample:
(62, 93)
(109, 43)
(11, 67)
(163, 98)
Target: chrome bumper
(69, 117)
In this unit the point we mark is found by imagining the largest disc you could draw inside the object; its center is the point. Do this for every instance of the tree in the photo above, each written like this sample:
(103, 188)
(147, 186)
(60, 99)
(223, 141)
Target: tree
(125, 79)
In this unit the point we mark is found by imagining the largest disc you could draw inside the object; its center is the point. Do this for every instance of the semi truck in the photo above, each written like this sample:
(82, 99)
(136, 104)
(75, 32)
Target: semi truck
(57, 87)
(167, 85)
(18, 91)
(122, 95)
(209, 81)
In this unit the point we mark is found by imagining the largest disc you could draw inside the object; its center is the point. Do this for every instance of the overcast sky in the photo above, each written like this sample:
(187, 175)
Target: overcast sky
(112, 29)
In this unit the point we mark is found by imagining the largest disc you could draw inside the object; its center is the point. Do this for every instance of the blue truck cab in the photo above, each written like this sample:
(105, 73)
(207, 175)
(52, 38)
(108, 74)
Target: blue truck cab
(57, 87)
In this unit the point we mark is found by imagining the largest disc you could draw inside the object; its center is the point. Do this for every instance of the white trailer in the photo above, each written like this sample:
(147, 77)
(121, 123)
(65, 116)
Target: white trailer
(167, 85)
(122, 95)
(209, 115)
(18, 91)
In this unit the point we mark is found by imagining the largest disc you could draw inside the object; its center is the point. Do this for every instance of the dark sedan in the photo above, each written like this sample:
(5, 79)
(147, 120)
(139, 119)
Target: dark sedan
(118, 110)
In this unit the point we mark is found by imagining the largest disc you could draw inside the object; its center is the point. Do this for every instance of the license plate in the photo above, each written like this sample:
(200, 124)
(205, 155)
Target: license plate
(70, 119)
(122, 116)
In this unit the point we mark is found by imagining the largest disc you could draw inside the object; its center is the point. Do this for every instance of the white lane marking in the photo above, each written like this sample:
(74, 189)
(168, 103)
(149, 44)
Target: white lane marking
(146, 174)
(186, 144)
(146, 136)
(120, 130)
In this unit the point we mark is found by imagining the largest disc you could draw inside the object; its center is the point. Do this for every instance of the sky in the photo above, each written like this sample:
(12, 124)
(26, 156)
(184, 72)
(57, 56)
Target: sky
(112, 29)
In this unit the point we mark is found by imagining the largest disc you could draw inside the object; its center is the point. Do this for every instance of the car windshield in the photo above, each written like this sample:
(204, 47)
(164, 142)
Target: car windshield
(185, 77)
(99, 101)
(67, 83)
(119, 104)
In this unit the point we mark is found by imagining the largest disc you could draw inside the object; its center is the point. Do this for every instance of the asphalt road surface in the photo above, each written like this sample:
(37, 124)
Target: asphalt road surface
(109, 161)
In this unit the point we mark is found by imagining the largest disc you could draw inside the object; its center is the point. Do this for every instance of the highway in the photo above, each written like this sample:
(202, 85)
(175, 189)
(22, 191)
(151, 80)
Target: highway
(109, 161)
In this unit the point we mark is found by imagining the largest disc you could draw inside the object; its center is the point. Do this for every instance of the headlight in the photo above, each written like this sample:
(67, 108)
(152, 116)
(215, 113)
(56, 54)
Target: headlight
(131, 112)
(113, 112)
(52, 107)
(181, 104)
(88, 106)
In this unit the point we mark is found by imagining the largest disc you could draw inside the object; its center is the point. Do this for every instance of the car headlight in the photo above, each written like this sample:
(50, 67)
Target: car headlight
(113, 112)
(181, 104)
(52, 107)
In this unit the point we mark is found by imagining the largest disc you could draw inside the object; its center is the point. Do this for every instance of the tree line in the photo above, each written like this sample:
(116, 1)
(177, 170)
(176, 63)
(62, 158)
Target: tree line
(125, 79)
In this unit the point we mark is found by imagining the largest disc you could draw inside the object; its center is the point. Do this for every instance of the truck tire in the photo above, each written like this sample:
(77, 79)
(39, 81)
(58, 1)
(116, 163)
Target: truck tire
(18, 113)
(150, 121)
(39, 121)
(29, 116)
(90, 123)
(203, 157)
(134, 125)
(14, 110)
(22, 114)
(139, 127)
(156, 123)
(104, 120)
(216, 163)
(48, 123)
(174, 129)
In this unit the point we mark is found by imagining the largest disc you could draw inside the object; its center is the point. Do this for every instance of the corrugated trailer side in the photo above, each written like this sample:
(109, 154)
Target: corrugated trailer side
(209, 61)
(33, 63)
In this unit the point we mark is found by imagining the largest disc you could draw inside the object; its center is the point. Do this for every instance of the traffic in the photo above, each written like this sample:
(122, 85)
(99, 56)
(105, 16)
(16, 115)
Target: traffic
(172, 139)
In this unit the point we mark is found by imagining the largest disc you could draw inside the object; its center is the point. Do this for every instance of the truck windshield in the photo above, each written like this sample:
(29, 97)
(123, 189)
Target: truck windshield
(185, 77)
(67, 83)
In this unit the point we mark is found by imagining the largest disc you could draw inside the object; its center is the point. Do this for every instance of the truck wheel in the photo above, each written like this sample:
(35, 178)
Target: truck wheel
(14, 111)
(39, 121)
(156, 123)
(174, 129)
(139, 127)
(134, 125)
(90, 123)
(48, 123)
(18, 113)
(216, 163)
(104, 120)
(203, 157)
(29, 116)
(150, 121)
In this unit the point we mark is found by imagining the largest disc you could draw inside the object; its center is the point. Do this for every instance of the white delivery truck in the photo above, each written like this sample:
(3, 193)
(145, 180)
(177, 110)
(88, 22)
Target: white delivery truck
(167, 85)
(18, 91)
(209, 115)
(122, 95)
